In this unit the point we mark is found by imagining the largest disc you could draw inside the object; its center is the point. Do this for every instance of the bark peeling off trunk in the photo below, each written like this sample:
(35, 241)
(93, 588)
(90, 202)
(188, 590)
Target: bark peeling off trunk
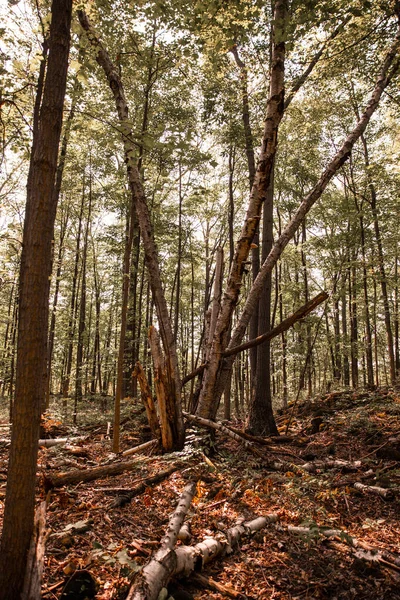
(274, 115)
(389, 68)
(156, 574)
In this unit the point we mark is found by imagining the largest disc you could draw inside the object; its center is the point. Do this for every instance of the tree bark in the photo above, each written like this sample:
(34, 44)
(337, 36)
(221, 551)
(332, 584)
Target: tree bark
(150, 249)
(207, 403)
(147, 400)
(218, 373)
(33, 313)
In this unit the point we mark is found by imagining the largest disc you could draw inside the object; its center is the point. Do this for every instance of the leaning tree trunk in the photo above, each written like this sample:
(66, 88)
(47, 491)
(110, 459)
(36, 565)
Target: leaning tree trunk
(150, 249)
(218, 371)
(33, 313)
(207, 404)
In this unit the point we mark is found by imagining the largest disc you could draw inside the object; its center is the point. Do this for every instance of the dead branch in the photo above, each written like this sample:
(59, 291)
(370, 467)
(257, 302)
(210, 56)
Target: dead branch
(210, 583)
(137, 449)
(219, 427)
(300, 313)
(127, 495)
(193, 374)
(387, 494)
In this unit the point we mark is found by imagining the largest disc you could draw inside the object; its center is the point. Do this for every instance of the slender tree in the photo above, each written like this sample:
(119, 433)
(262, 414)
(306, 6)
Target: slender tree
(33, 312)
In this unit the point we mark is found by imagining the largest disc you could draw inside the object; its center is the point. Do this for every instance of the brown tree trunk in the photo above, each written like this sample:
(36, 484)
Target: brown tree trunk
(367, 319)
(126, 271)
(33, 313)
(207, 403)
(382, 270)
(82, 316)
(216, 373)
(63, 229)
(150, 249)
(261, 416)
(73, 306)
(251, 165)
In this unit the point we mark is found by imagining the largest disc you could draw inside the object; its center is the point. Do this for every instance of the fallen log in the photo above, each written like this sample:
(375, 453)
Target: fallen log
(137, 449)
(49, 443)
(127, 495)
(384, 493)
(35, 560)
(324, 465)
(193, 558)
(85, 475)
(225, 430)
(156, 574)
(186, 559)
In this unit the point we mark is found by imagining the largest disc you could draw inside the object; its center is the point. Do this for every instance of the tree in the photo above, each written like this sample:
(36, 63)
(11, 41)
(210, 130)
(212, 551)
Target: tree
(33, 311)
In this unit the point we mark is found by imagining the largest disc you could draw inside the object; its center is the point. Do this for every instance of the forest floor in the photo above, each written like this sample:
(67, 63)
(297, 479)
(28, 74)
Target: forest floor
(86, 532)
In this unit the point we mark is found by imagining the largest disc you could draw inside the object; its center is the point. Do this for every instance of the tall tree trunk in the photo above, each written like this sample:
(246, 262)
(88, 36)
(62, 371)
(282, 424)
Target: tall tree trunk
(96, 364)
(217, 370)
(367, 319)
(33, 313)
(82, 313)
(179, 258)
(345, 340)
(63, 230)
(208, 404)
(396, 312)
(150, 249)
(261, 416)
(382, 270)
(123, 319)
(352, 279)
(251, 166)
(73, 304)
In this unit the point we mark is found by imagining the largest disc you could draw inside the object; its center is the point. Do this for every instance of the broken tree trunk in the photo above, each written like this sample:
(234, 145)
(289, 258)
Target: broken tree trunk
(186, 559)
(146, 230)
(275, 108)
(147, 400)
(35, 561)
(387, 494)
(221, 369)
(49, 443)
(156, 574)
(161, 384)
